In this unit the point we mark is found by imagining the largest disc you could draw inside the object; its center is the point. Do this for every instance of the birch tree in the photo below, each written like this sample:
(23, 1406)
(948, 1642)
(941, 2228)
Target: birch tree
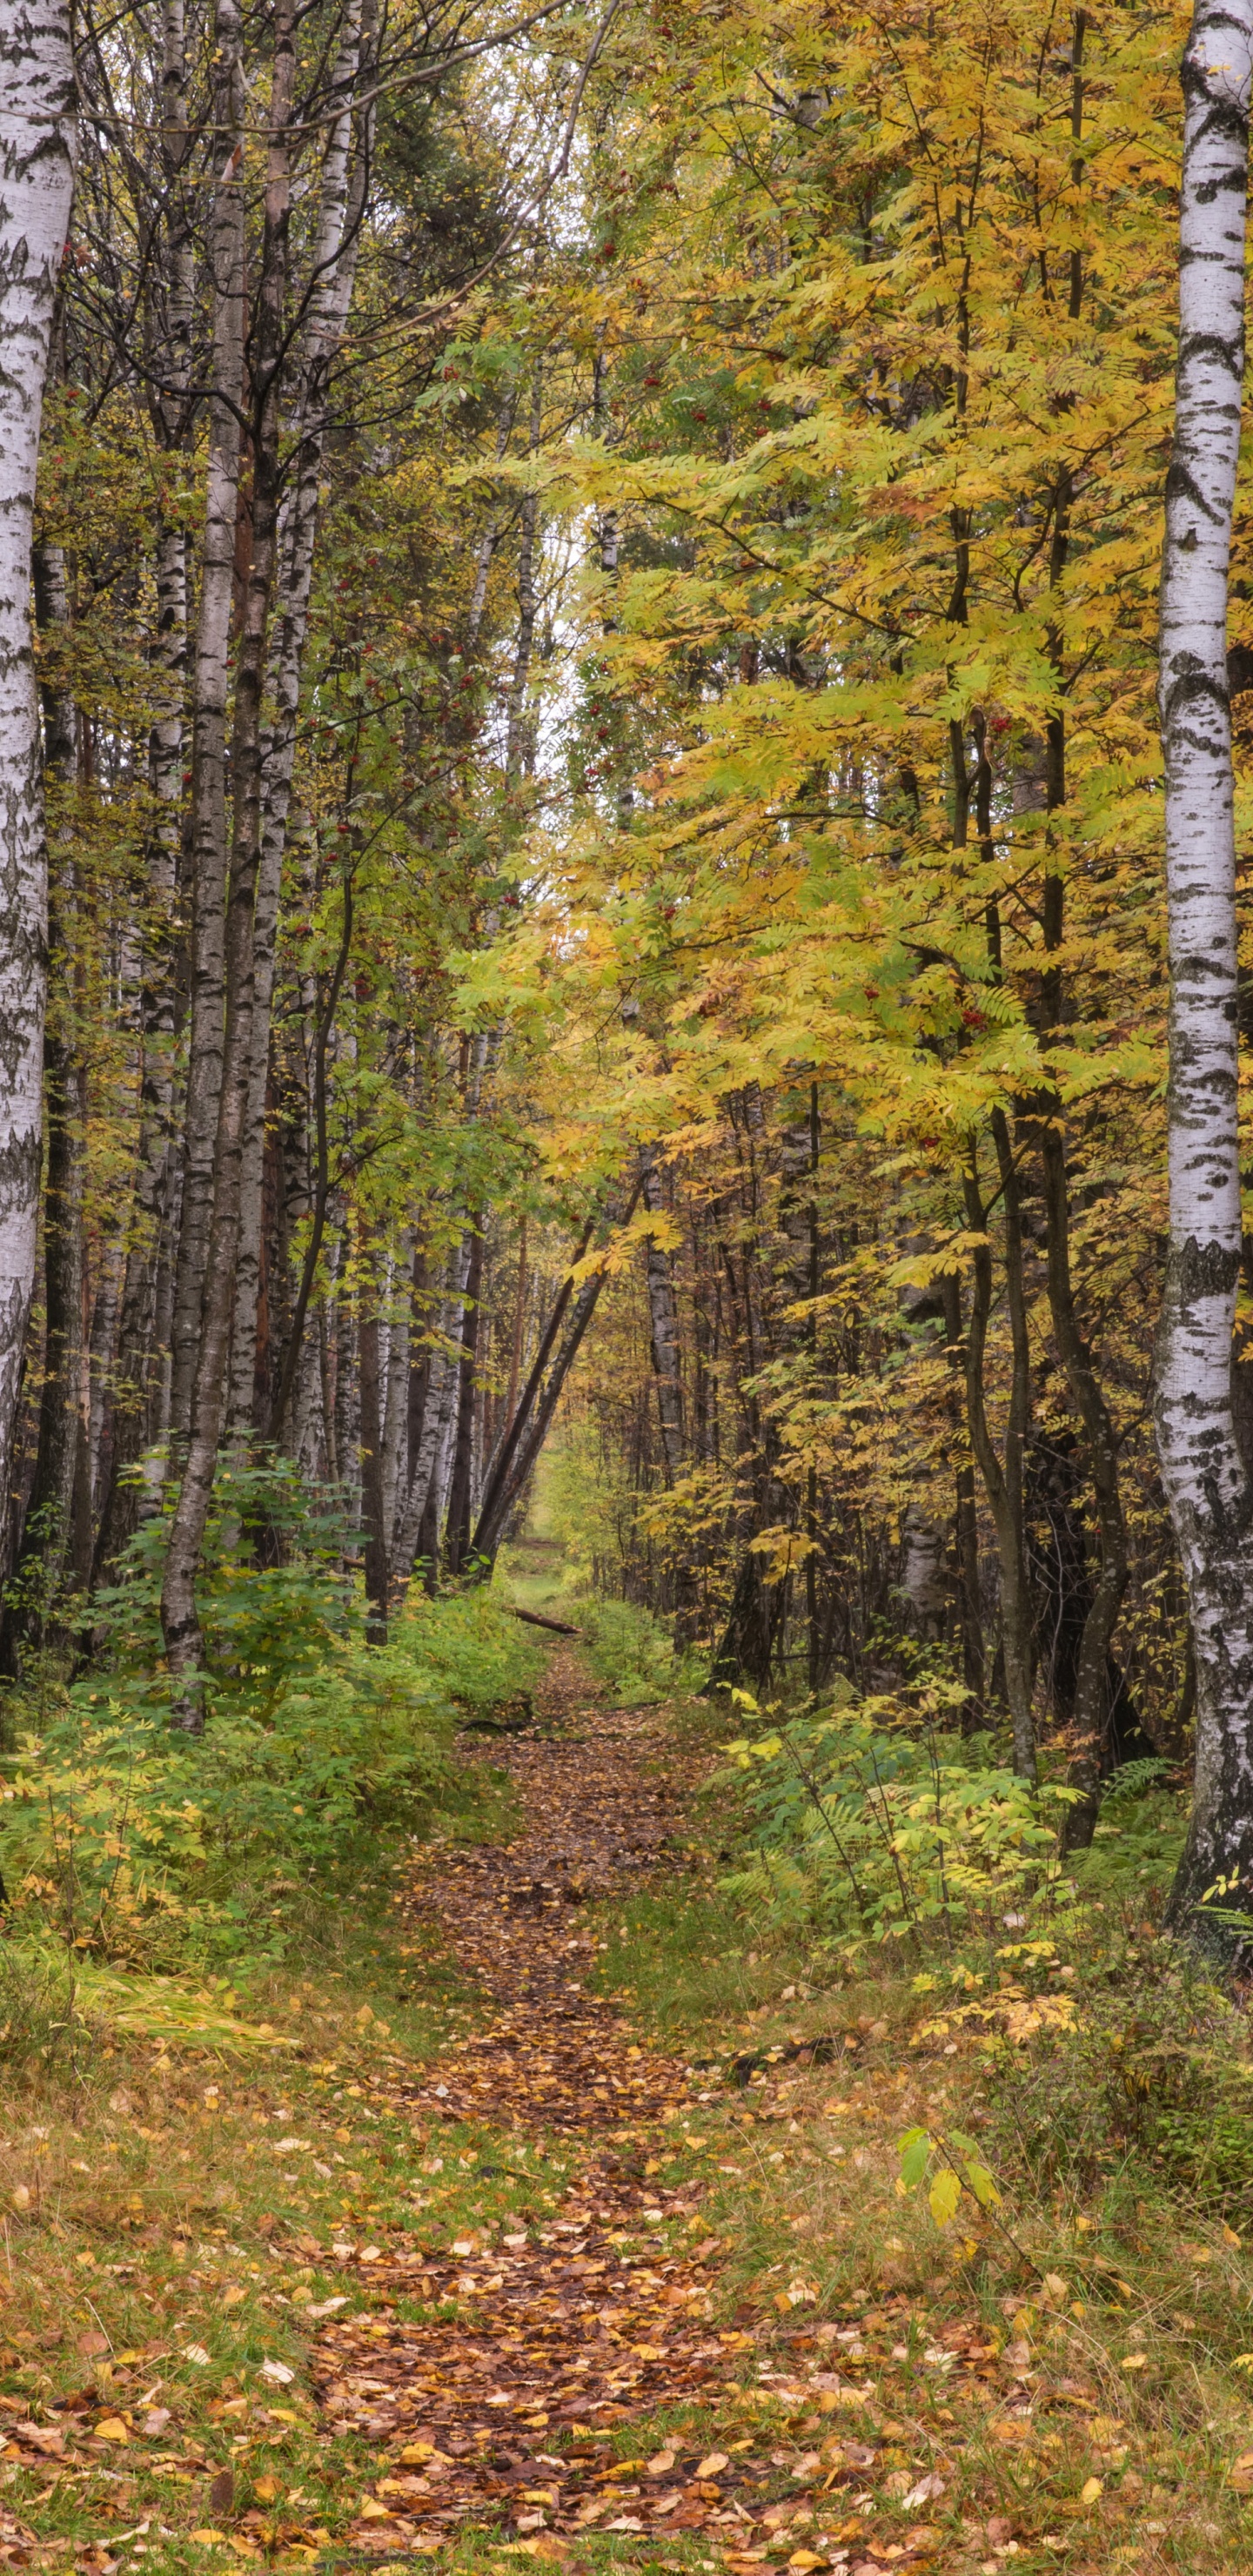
(1205, 1479)
(36, 188)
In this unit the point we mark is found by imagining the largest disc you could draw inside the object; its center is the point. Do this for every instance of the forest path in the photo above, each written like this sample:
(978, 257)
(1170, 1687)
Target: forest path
(585, 2311)
(591, 2373)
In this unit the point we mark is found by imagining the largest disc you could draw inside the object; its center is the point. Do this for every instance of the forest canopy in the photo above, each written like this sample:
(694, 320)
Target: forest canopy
(637, 758)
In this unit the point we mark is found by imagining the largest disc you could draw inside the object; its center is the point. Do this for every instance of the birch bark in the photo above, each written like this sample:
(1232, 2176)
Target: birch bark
(1202, 1471)
(36, 188)
(441, 1396)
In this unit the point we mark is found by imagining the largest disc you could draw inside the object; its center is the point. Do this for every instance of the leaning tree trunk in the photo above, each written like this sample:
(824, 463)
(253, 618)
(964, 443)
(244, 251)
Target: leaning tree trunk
(1202, 1470)
(36, 187)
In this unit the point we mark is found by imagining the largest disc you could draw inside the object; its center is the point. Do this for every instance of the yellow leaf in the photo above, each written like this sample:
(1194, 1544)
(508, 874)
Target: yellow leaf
(373, 2511)
(713, 2465)
(943, 2198)
(1134, 2361)
(111, 2429)
(1091, 2489)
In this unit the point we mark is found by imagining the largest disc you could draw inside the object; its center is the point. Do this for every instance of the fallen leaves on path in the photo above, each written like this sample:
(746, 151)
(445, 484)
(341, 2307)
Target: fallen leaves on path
(472, 2361)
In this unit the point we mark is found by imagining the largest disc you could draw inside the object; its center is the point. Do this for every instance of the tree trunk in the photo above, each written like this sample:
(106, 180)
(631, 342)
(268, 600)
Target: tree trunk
(457, 1542)
(46, 1536)
(510, 1471)
(1091, 1692)
(36, 188)
(368, 1352)
(179, 1619)
(332, 270)
(437, 1414)
(965, 1525)
(155, 1192)
(210, 694)
(663, 1317)
(1206, 1485)
(1003, 1480)
(396, 1412)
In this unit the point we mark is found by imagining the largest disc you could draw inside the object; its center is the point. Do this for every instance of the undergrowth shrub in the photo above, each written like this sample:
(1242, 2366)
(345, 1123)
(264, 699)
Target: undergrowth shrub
(1161, 2091)
(633, 1652)
(1108, 2064)
(133, 1842)
(877, 1821)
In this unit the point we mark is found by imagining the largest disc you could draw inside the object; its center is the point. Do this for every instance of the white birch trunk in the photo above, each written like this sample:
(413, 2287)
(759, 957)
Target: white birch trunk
(396, 1407)
(1201, 1467)
(430, 1464)
(36, 190)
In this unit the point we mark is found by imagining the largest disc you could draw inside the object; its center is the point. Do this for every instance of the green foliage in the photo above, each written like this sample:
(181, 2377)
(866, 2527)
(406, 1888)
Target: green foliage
(1138, 1839)
(876, 1821)
(480, 1656)
(137, 1843)
(1111, 2093)
(946, 2166)
(632, 1651)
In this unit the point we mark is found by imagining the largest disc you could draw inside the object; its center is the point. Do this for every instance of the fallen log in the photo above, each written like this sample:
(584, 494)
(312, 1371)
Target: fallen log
(536, 1619)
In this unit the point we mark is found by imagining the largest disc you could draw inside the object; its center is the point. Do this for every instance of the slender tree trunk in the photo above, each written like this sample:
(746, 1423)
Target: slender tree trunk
(437, 1415)
(210, 698)
(1202, 1470)
(965, 1524)
(321, 1176)
(155, 1194)
(510, 1471)
(457, 1542)
(519, 1325)
(1003, 1481)
(519, 746)
(47, 1532)
(36, 188)
(368, 1353)
(396, 1413)
(179, 1618)
(663, 1316)
(332, 271)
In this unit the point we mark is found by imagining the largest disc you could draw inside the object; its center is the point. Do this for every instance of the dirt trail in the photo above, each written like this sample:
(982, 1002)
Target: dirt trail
(476, 2360)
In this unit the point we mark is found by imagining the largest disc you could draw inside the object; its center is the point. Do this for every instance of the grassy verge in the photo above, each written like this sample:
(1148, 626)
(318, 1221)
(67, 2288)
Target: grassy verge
(1055, 2382)
(1073, 2363)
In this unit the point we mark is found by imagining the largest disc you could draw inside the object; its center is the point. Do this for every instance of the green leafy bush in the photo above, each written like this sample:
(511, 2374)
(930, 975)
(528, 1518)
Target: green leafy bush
(876, 1821)
(137, 1843)
(631, 1651)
